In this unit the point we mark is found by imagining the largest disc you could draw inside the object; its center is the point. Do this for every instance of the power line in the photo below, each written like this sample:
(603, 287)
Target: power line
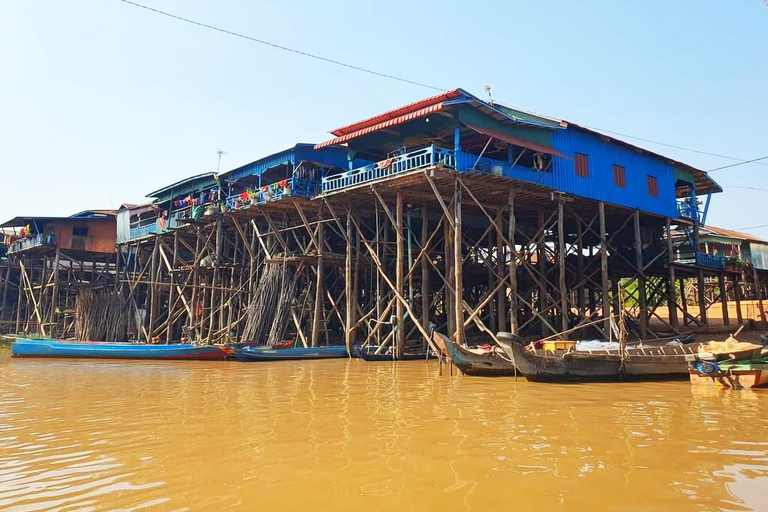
(745, 187)
(407, 81)
(740, 163)
(672, 145)
(285, 48)
(753, 227)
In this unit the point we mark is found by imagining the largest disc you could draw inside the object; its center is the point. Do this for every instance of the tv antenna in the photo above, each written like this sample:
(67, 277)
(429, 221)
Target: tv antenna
(487, 88)
(220, 152)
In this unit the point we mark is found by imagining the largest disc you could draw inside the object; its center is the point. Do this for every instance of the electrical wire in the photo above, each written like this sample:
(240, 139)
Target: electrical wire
(740, 163)
(413, 82)
(753, 227)
(284, 48)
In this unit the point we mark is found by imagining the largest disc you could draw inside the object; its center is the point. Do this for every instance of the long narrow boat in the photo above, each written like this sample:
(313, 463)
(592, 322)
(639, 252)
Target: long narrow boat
(478, 363)
(650, 363)
(253, 353)
(365, 355)
(105, 350)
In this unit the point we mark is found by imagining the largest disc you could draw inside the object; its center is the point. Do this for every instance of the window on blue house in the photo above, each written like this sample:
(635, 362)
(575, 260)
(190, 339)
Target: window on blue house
(653, 186)
(619, 176)
(582, 165)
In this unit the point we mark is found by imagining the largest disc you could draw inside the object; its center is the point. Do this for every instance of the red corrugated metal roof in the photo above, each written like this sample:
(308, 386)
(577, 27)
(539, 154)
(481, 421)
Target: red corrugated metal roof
(398, 112)
(517, 141)
(729, 233)
(385, 124)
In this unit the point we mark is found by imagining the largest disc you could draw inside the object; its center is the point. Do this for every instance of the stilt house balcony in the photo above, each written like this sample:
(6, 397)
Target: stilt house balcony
(291, 187)
(686, 210)
(142, 231)
(32, 242)
(710, 261)
(424, 158)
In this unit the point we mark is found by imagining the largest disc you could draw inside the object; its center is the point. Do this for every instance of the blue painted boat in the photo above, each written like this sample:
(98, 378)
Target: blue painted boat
(103, 350)
(251, 353)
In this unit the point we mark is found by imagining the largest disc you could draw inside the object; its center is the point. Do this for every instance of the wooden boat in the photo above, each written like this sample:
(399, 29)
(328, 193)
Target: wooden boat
(648, 363)
(104, 350)
(475, 363)
(252, 353)
(365, 355)
(751, 373)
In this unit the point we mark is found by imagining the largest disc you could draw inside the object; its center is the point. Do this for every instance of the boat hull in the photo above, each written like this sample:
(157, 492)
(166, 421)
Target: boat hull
(254, 354)
(103, 350)
(478, 365)
(594, 367)
(734, 375)
(371, 357)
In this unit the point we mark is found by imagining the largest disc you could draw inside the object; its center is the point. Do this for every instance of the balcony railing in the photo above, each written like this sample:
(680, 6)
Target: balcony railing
(686, 210)
(142, 231)
(291, 187)
(711, 261)
(31, 242)
(423, 158)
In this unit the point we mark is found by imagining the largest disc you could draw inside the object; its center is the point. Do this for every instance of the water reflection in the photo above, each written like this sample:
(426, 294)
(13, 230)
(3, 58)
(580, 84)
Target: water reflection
(348, 435)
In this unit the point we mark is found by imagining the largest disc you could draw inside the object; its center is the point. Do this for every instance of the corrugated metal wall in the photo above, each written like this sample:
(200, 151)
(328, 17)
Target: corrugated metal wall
(600, 184)
(123, 226)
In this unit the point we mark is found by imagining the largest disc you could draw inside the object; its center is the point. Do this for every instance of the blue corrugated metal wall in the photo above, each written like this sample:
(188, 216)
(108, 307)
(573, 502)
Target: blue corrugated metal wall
(600, 184)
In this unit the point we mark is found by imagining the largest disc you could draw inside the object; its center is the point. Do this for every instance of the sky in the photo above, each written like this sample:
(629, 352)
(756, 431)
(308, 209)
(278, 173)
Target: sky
(102, 102)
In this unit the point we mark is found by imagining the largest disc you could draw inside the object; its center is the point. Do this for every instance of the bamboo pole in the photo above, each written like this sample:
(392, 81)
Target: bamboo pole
(318, 305)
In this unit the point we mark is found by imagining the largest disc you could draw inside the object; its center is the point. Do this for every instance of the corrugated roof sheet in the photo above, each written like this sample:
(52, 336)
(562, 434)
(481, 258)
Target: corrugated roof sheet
(397, 112)
(729, 233)
(385, 124)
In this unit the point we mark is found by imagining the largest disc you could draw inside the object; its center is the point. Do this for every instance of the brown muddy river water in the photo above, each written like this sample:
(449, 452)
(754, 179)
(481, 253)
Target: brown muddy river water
(343, 435)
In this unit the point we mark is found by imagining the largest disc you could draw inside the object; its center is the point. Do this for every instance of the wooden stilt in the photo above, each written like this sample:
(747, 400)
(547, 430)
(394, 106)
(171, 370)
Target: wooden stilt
(458, 266)
(737, 298)
(641, 282)
(512, 264)
(399, 276)
(561, 267)
(604, 271)
(425, 270)
(672, 296)
(319, 288)
(349, 294)
(723, 297)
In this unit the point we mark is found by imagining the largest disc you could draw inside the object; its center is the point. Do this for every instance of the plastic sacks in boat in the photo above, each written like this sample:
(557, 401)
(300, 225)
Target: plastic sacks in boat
(587, 345)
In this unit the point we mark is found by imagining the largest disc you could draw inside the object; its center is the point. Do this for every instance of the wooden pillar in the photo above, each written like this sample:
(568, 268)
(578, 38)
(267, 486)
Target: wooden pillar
(641, 291)
(425, 270)
(400, 277)
(458, 266)
(683, 299)
(561, 267)
(490, 280)
(723, 298)
(672, 296)
(511, 230)
(318, 309)
(501, 257)
(449, 276)
(604, 272)
(759, 293)
(350, 294)
(580, 299)
(55, 291)
(737, 298)
(153, 291)
(702, 297)
(542, 264)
